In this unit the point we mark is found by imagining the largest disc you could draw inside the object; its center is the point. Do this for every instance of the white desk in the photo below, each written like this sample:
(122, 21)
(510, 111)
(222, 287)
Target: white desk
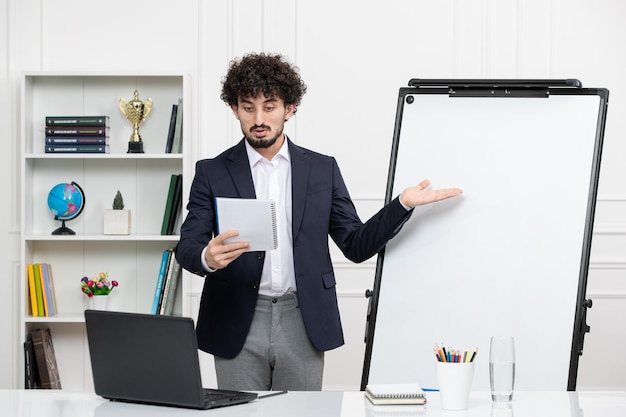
(47, 403)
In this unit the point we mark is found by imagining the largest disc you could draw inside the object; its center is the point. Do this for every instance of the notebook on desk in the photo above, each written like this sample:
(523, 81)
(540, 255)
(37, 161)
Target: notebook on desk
(150, 359)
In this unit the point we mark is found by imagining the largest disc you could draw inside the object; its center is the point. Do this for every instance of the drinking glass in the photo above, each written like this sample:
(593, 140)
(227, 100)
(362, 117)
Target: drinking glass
(502, 368)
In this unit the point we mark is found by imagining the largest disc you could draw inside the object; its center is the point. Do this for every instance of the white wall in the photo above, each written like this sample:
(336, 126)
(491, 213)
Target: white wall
(354, 55)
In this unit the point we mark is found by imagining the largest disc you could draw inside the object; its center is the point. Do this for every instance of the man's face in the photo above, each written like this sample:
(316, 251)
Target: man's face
(262, 119)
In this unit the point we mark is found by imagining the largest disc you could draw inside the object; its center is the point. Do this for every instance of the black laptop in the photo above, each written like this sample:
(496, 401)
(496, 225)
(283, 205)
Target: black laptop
(151, 359)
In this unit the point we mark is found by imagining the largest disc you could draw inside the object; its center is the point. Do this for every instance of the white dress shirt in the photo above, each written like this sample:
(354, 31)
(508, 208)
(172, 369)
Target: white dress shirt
(272, 180)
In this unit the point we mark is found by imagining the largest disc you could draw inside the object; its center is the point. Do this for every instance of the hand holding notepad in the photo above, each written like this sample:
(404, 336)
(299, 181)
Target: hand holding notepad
(254, 219)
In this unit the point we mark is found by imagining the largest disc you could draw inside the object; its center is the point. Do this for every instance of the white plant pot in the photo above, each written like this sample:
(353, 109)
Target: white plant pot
(116, 222)
(98, 302)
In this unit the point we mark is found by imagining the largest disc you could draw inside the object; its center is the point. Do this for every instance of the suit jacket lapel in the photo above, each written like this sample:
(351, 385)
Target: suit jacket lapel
(239, 168)
(300, 165)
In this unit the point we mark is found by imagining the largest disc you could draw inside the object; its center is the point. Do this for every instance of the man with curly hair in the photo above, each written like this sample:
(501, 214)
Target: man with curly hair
(268, 317)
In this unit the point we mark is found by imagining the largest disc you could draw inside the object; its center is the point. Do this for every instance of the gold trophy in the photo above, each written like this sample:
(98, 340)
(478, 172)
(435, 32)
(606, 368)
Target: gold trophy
(136, 112)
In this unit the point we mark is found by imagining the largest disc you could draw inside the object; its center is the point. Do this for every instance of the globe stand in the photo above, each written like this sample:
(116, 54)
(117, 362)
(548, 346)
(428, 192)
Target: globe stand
(63, 230)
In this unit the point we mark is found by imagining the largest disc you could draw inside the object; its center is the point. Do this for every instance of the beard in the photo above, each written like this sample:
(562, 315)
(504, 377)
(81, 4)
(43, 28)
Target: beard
(262, 143)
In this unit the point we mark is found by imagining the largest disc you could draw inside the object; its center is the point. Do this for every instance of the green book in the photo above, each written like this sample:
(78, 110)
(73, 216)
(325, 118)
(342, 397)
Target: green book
(169, 203)
(41, 312)
(177, 141)
(77, 148)
(176, 203)
(52, 121)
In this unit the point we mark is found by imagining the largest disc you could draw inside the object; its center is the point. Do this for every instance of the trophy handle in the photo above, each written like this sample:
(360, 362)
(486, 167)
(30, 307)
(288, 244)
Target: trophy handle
(122, 105)
(147, 108)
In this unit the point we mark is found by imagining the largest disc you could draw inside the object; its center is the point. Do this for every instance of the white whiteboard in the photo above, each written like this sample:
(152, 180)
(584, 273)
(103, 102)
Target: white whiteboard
(505, 257)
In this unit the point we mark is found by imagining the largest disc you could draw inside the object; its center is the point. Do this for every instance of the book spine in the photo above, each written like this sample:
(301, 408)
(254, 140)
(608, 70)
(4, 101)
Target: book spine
(171, 129)
(176, 203)
(159, 283)
(77, 149)
(178, 129)
(172, 288)
(77, 121)
(34, 310)
(97, 131)
(169, 202)
(54, 297)
(39, 291)
(165, 278)
(30, 367)
(40, 357)
(51, 361)
(77, 140)
(47, 295)
(167, 282)
(45, 272)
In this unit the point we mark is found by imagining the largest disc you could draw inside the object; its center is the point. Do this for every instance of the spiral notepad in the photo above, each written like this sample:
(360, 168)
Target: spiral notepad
(395, 394)
(254, 219)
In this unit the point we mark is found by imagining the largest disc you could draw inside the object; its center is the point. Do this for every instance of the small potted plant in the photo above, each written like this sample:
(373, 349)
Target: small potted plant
(97, 289)
(117, 219)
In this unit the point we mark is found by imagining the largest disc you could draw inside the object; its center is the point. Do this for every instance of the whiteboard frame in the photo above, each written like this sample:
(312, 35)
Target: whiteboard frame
(503, 90)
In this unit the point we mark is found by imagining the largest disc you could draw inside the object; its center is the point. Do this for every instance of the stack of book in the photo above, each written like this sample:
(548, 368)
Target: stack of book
(167, 284)
(77, 134)
(41, 290)
(40, 363)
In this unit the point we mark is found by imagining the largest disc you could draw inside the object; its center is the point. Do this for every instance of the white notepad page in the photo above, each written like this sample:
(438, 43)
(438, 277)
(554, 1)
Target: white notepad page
(254, 219)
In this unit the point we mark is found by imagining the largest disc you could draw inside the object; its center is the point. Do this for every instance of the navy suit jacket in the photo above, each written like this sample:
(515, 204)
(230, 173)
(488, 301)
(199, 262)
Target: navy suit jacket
(321, 207)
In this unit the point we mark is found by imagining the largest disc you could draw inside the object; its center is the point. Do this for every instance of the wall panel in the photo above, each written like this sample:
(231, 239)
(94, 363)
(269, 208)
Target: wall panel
(119, 36)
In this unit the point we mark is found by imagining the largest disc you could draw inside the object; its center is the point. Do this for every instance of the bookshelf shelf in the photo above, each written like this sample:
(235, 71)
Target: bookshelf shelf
(143, 179)
(60, 318)
(132, 156)
(103, 238)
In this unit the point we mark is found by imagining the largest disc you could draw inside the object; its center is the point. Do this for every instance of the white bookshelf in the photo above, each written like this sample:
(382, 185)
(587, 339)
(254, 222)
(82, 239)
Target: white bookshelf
(143, 180)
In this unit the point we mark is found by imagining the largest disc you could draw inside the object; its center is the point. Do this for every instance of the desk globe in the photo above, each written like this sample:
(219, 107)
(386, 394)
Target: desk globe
(66, 201)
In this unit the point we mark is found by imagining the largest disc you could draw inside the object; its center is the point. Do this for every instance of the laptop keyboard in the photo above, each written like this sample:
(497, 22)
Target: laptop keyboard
(212, 396)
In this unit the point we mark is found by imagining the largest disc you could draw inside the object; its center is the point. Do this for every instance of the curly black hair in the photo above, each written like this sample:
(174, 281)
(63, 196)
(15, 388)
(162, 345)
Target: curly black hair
(267, 74)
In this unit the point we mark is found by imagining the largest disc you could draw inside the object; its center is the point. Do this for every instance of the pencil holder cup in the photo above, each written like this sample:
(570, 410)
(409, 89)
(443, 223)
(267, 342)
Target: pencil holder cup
(455, 383)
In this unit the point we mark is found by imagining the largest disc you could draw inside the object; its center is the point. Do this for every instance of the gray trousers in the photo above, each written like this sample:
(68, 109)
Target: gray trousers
(277, 354)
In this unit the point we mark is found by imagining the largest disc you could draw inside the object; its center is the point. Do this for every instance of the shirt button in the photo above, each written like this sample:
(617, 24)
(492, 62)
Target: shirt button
(274, 300)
